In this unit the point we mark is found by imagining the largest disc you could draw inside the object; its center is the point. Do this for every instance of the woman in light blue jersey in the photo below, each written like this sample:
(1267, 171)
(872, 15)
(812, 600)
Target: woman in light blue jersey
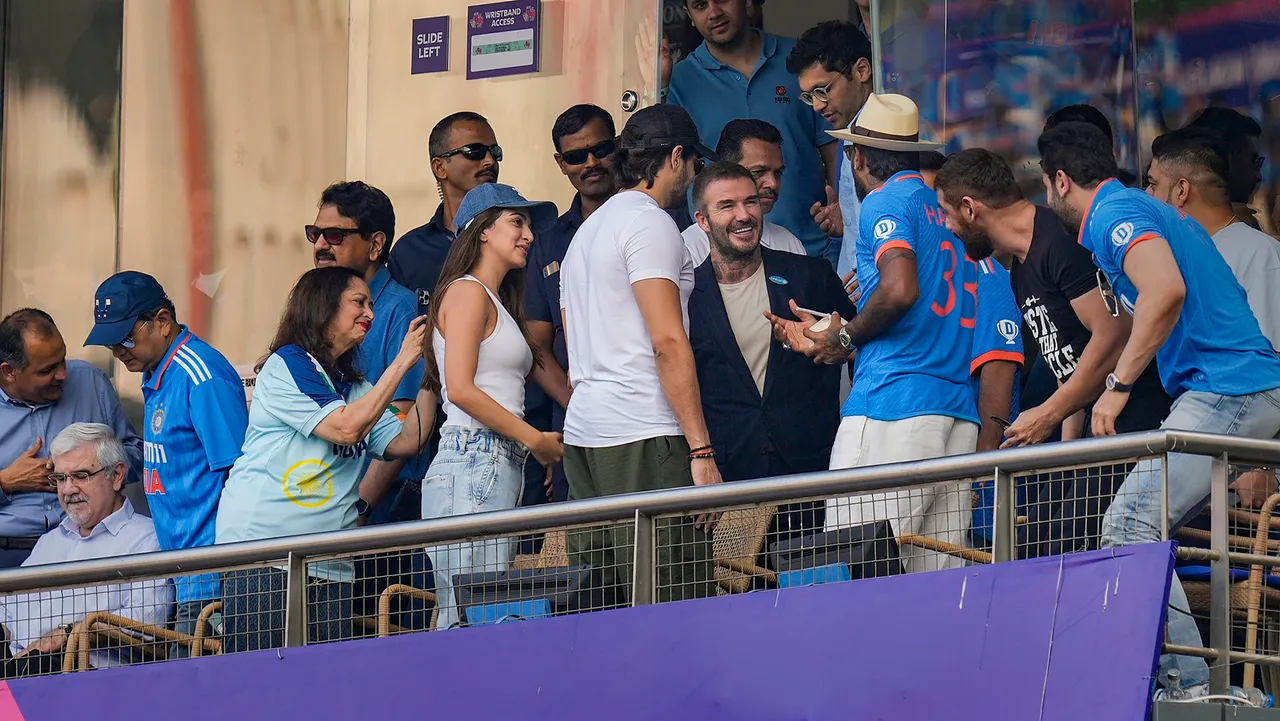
(313, 420)
(478, 360)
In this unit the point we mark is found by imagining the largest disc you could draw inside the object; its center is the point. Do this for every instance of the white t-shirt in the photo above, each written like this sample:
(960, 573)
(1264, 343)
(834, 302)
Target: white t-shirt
(775, 237)
(617, 398)
(1254, 258)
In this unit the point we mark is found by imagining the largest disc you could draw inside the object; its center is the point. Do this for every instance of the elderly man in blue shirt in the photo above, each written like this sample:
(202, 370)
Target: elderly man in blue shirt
(41, 393)
(741, 72)
(89, 470)
(194, 421)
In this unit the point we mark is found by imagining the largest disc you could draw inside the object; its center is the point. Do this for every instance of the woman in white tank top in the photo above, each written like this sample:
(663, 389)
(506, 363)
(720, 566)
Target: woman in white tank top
(478, 358)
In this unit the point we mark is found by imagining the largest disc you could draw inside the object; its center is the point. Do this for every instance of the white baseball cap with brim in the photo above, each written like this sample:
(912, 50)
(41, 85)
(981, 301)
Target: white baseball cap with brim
(888, 122)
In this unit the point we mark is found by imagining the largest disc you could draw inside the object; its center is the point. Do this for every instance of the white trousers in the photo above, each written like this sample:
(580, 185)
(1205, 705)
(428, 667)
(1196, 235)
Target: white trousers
(943, 513)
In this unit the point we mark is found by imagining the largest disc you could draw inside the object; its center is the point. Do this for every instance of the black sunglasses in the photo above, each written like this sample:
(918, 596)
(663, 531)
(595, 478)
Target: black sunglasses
(332, 236)
(1108, 295)
(599, 150)
(475, 151)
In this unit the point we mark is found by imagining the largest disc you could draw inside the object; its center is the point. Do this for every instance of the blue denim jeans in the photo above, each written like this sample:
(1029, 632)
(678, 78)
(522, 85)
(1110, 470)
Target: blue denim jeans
(475, 470)
(1136, 515)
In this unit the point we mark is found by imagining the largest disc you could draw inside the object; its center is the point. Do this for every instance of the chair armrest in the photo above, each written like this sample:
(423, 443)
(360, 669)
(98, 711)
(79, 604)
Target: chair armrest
(384, 605)
(933, 544)
(746, 568)
(103, 623)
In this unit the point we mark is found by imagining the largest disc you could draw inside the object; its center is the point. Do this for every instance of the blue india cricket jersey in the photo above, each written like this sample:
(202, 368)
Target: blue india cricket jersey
(919, 365)
(1216, 346)
(290, 481)
(998, 332)
(194, 425)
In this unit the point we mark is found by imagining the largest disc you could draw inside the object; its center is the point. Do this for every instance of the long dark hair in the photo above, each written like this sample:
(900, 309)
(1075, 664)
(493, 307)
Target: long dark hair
(312, 304)
(462, 259)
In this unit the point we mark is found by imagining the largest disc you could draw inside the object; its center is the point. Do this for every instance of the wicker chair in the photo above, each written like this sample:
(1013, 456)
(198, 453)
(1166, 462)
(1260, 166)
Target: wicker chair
(120, 632)
(1246, 596)
(737, 541)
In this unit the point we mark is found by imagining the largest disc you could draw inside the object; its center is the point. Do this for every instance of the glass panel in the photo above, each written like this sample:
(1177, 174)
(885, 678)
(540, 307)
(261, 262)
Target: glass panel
(61, 131)
(234, 121)
(1194, 53)
(986, 74)
(589, 55)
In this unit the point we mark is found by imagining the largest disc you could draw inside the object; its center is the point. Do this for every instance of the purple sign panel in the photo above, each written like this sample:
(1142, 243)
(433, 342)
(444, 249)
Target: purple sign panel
(503, 39)
(430, 45)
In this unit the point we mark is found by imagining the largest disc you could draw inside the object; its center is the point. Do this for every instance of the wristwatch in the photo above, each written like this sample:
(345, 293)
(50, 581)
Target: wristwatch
(846, 341)
(1114, 384)
(362, 507)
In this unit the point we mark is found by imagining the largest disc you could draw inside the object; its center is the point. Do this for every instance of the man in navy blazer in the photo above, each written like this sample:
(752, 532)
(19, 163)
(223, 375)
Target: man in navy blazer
(769, 411)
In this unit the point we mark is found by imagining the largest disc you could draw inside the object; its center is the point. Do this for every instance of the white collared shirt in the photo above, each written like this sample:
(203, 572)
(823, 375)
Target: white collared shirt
(29, 616)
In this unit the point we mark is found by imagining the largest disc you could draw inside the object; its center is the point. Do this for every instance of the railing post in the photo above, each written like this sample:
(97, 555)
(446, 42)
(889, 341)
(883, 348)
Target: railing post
(642, 566)
(1219, 579)
(1004, 517)
(1164, 497)
(295, 602)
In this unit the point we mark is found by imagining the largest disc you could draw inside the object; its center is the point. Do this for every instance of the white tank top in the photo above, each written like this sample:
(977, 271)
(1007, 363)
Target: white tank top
(501, 369)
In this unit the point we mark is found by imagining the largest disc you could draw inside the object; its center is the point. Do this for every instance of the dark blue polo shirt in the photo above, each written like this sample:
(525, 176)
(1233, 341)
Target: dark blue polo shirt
(542, 303)
(715, 94)
(416, 259)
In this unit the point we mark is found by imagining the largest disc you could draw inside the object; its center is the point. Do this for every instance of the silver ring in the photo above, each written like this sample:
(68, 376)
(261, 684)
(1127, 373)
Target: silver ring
(786, 346)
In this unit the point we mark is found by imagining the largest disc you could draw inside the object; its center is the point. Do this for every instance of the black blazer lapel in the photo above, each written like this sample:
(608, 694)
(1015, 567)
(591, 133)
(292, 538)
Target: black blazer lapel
(716, 325)
(780, 295)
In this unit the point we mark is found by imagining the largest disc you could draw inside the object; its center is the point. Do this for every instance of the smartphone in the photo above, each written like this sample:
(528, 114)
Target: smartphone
(1002, 422)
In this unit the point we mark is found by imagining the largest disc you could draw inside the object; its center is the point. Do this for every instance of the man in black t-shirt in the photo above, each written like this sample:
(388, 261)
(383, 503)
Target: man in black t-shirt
(1069, 309)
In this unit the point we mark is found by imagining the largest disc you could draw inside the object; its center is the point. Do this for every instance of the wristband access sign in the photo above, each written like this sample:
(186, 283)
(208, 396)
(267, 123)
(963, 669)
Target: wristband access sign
(503, 39)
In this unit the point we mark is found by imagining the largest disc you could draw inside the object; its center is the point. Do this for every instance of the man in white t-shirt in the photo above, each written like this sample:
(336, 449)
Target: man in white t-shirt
(757, 146)
(634, 421)
(1189, 171)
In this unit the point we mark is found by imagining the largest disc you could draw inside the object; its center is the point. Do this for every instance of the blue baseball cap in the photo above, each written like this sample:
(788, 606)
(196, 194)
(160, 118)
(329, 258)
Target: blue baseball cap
(118, 303)
(496, 195)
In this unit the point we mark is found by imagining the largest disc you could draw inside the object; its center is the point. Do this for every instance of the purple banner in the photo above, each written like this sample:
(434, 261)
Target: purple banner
(503, 39)
(430, 45)
(1053, 639)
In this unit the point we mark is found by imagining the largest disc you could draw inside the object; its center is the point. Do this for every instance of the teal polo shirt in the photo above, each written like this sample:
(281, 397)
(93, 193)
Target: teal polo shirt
(715, 94)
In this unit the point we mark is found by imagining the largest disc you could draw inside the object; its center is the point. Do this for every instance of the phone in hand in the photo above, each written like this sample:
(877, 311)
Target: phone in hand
(813, 313)
(1001, 422)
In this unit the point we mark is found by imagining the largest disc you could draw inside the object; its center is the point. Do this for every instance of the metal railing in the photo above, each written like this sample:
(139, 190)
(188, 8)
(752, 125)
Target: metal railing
(643, 512)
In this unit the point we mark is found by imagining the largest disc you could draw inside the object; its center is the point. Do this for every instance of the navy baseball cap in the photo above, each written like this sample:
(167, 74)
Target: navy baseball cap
(118, 303)
(496, 195)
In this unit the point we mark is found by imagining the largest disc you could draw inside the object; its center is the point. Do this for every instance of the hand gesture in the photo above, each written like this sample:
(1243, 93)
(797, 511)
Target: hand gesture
(829, 217)
(27, 473)
(412, 346)
(647, 45)
(1255, 487)
(549, 448)
(790, 333)
(706, 473)
(1109, 406)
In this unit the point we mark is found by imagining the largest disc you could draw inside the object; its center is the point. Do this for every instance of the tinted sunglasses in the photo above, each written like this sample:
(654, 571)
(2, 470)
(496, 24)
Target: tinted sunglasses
(1108, 295)
(475, 151)
(599, 150)
(332, 236)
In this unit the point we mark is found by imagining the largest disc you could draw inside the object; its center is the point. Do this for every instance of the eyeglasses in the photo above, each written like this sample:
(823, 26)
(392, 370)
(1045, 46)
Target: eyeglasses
(475, 151)
(332, 236)
(56, 478)
(129, 341)
(599, 150)
(1108, 295)
(821, 93)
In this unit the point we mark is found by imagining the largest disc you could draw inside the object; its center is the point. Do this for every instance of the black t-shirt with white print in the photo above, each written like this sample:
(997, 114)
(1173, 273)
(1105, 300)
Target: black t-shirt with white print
(1058, 270)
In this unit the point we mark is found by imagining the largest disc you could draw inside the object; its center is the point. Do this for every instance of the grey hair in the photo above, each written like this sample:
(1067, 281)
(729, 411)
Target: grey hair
(110, 449)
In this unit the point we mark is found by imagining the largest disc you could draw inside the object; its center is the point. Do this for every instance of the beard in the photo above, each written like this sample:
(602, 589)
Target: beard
(729, 246)
(860, 187)
(1069, 215)
(977, 244)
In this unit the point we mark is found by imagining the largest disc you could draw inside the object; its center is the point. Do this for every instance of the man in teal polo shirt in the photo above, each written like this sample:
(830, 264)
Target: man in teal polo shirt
(741, 72)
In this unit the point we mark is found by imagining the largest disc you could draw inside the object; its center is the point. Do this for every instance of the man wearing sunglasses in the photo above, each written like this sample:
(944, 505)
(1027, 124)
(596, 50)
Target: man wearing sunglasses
(832, 64)
(739, 71)
(1190, 315)
(464, 154)
(194, 420)
(585, 139)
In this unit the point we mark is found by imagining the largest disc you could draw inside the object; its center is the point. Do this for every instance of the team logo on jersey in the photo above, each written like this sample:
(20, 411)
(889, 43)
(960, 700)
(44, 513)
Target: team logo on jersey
(157, 420)
(308, 483)
(1007, 330)
(1122, 234)
(884, 229)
